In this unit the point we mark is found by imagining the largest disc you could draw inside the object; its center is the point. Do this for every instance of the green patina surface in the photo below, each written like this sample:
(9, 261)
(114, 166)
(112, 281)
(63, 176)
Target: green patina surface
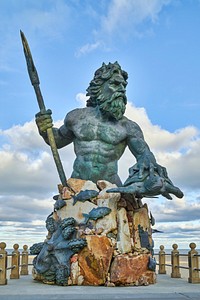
(100, 133)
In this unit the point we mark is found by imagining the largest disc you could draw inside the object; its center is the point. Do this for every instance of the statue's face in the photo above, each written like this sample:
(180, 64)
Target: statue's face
(113, 96)
(115, 84)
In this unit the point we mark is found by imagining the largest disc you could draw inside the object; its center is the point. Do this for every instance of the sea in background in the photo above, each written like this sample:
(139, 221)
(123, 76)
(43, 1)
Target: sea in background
(9, 251)
(156, 251)
(181, 251)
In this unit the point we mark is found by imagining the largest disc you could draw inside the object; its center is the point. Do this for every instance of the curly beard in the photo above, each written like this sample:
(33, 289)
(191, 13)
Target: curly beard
(113, 107)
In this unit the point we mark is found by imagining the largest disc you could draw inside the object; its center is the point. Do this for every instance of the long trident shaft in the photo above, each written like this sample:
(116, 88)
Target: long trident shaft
(36, 84)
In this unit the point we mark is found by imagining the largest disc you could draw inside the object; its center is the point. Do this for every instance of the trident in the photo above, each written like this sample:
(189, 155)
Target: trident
(36, 84)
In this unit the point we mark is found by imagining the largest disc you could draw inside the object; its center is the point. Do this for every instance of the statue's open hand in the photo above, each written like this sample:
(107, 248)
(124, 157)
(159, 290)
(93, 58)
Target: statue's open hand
(147, 178)
(44, 121)
(147, 165)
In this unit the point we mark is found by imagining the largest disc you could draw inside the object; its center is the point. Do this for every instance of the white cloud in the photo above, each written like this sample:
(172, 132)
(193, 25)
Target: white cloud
(124, 18)
(159, 138)
(176, 210)
(87, 48)
(27, 163)
(81, 98)
(26, 151)
(178, 151)
(28, 177)
(125, 13)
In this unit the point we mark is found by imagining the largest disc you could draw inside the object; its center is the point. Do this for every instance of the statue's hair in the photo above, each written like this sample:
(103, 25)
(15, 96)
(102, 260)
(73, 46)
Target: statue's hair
(101, 75)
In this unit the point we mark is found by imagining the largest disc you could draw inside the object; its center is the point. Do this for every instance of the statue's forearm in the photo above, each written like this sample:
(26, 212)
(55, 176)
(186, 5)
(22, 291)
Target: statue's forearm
(140, 149)
(146, 155)
(60, 141)
(63, 136)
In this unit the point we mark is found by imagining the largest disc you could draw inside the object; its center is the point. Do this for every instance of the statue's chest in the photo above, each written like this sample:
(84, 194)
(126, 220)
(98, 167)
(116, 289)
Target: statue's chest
(92, 129)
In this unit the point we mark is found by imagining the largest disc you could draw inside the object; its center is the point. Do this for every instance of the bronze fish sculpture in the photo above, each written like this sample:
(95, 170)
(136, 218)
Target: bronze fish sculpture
(59, 204)
(85, 195)
(97, 213)
(152, 264)
(152, 219)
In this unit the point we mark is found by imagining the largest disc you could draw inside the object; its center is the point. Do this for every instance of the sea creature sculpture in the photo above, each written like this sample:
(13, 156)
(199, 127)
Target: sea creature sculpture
(144, 237)
(97, 213)
(156, 231)
(85, 195)
(36, 248)
(68, 228)
(152, 219)
(53, 256)
(67, 232)
(67, 222)
(149, 186)
(59, 204)
(152, 264)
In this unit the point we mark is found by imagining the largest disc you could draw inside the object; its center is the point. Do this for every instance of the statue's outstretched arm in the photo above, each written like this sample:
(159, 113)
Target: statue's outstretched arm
(145, 158)
(146, 177)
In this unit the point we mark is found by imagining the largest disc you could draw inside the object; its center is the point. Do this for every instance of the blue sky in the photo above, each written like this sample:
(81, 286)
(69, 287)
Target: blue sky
(157, 42)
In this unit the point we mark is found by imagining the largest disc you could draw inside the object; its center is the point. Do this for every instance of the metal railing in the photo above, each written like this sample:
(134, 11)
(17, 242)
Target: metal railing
(192, 263)
(19, 262)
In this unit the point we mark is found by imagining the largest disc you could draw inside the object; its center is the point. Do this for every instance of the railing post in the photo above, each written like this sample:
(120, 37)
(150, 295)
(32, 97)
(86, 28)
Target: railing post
(24, 261)
(162, 269)
(193, 263)
(3, 264)
(15, 262)
(175, 262)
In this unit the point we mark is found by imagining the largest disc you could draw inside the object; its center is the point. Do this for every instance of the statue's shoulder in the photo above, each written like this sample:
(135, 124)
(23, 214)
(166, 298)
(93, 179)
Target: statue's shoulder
(79, 113)
(131, 126)
(129, 123)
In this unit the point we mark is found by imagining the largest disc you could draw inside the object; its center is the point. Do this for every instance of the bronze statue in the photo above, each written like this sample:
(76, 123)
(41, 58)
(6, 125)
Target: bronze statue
(100, 133)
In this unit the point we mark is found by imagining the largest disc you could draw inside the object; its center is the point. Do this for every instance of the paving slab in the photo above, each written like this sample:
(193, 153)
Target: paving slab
(26, 288)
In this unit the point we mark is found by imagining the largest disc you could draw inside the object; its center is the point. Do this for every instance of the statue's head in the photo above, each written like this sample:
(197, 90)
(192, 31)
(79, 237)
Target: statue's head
(107, 90)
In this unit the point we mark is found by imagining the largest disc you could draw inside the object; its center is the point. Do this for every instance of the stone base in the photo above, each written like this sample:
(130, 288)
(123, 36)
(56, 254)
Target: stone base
(93, 266)
(118, 246)
(129, 270)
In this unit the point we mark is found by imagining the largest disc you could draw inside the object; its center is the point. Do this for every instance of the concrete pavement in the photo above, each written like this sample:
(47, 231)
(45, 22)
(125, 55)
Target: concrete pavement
(26, 288)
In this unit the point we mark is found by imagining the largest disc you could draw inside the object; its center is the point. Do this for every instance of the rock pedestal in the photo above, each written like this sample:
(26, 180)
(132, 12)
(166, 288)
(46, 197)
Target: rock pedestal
(113, 234)
(94, 261)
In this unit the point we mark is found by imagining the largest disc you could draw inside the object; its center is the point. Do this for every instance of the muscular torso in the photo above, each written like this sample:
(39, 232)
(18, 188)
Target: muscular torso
(98, 143)
(94, 135)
